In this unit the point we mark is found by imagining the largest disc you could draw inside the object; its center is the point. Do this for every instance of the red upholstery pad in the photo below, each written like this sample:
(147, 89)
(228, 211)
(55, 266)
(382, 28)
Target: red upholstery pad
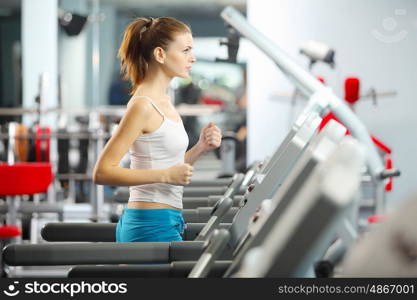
(375, 218)
(25, 178)
(9, 231)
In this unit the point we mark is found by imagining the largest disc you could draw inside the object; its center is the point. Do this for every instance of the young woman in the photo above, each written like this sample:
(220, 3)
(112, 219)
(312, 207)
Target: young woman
(153, 51)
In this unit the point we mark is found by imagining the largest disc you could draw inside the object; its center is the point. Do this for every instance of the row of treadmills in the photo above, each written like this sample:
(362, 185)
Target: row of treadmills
(282, 227)
(283, 218)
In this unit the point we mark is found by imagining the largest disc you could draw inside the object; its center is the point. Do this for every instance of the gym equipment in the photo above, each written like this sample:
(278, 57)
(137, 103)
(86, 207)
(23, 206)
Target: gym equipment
(102, 232)
(284, 158)
(31, 208)
(228, 154)
(215, 246)
(17, 180)
(318, 51)
(290, 154)
(19, 151)
(196, 202)
(395, 236)
(224, 203)
(212, 215)
(318, 102)
(353, 93)
(58, 254)
(203, 189)
(21, 144)
(374, 192)
(213, 182)
(352, 90)
(42, 143)
(7, 232)
(317, 151)
(289, 237)
(72, 23)
(232, 44)
(293, 239)
(122, 194)
(299, 135)
(320, 97)
(23, 179)
(222, 210)
(174, 269)
(284, 200)
(10, 152)
(63, 146)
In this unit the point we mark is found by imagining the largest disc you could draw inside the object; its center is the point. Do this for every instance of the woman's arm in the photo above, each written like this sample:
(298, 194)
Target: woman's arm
(107, 170)
(210, 138)
(193, 154)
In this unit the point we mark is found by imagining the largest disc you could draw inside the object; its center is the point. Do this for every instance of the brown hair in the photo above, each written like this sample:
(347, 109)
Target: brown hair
(141, 37)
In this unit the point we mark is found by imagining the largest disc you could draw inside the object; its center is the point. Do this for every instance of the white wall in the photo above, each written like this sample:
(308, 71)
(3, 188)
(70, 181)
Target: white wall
(107, 54)
(108, 50)
(374, 40)
(39, 53)
(73, 58)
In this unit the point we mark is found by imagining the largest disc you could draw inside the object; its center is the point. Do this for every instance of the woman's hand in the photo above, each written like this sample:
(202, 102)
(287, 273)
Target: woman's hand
(210, 137)
(180, 174)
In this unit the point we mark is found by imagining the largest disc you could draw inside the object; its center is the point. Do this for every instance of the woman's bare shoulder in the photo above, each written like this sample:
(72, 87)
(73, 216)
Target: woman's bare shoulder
(139, 105)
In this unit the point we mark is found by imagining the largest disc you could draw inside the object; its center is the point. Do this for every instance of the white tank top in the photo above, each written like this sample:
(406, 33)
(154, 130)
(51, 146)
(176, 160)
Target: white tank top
(160, 149)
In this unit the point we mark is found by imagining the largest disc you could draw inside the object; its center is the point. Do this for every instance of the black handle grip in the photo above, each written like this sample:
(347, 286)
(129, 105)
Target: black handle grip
(389, 173)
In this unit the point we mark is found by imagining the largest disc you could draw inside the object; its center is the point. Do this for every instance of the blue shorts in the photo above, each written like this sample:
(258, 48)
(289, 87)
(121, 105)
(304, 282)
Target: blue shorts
(150, 225)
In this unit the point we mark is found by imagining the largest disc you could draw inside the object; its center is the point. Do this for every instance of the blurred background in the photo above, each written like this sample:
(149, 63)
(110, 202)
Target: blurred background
(58, 62)
(61, 98)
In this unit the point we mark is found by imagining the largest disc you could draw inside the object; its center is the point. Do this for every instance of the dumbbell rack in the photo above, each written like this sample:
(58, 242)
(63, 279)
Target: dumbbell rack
(96, 140)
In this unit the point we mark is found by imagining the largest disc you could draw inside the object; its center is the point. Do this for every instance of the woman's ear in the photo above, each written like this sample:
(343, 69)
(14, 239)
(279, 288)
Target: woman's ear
(159, 55)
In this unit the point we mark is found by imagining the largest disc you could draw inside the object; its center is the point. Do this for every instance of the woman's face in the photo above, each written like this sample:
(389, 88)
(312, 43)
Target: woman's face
(179, 56)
